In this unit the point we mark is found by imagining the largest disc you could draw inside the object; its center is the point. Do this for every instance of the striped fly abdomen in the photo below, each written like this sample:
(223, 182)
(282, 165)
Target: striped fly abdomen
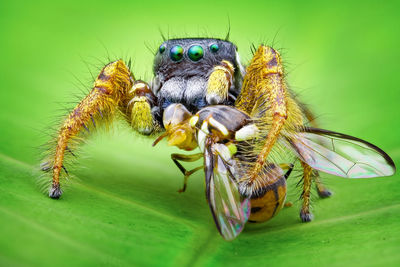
(268, 201)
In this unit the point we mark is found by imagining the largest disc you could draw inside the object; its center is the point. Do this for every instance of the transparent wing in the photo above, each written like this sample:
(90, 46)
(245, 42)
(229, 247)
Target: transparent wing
(229, 211)
(341, 155)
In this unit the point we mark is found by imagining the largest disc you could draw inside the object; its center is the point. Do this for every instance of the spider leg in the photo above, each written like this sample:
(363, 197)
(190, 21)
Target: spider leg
(264, 95)
(305, 213)
(266, 98)
(186, 158)
(110, 94)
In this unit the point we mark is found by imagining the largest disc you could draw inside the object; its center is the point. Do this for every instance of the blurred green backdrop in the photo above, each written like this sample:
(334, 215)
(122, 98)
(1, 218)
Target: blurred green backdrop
(342, 59)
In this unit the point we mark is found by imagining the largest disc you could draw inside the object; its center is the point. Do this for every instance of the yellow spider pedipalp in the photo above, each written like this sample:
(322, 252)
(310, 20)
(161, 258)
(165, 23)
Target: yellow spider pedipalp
(219, 82)
(141, 118)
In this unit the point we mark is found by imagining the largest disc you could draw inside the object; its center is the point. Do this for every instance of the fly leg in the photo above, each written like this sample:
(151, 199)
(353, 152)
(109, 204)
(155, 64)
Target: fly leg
(288, 168)
(186, 158)
(305, 213)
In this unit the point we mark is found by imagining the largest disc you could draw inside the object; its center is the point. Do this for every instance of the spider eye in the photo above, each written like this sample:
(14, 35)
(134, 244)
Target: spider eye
(195, 52)
(214, 48)
(176, 53)
(161, 49)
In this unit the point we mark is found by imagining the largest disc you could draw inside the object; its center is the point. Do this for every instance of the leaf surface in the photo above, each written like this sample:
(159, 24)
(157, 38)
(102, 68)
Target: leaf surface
(122, 207)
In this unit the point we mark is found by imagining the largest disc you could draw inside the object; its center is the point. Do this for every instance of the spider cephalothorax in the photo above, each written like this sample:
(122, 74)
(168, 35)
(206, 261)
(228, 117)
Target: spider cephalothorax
(201, 96)
(182, 68)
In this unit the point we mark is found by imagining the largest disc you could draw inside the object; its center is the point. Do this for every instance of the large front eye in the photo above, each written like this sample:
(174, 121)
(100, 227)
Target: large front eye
(195, 52)
(176, 53)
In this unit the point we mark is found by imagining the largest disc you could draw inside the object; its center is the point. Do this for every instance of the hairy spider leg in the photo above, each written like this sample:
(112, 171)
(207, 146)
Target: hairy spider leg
(111, 93)
(265, 96)
(305, 213)
(264, 81)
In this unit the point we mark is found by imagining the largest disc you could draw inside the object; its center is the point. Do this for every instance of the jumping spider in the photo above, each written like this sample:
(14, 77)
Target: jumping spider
(202, 96)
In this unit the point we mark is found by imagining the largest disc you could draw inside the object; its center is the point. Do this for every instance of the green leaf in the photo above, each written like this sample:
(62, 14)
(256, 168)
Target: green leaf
(122, 207)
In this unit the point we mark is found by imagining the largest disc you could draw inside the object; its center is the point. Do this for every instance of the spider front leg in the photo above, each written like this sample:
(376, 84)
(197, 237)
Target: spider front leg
(111, 93)
(264, 85)
(265, 96)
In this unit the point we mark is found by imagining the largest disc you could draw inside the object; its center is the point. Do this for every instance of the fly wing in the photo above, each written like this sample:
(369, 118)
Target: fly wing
(229, 211)
(341, 155)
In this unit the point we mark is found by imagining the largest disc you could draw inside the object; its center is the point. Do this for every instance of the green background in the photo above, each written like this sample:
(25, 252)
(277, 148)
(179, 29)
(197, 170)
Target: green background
(342, 58)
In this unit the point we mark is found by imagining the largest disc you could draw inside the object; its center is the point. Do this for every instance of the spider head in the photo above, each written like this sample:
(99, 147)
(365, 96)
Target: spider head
(182, 68)
(190, 57)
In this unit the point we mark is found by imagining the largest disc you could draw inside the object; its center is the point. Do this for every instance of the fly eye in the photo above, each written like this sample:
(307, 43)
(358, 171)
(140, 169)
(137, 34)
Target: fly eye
(176, 53)
(161, 49)
(195, 52)
(214, 48)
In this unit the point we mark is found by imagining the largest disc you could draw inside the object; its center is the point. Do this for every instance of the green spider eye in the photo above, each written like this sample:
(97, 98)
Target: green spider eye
(176, 53)
(162, 48)
(195, 52)
(214, 48)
